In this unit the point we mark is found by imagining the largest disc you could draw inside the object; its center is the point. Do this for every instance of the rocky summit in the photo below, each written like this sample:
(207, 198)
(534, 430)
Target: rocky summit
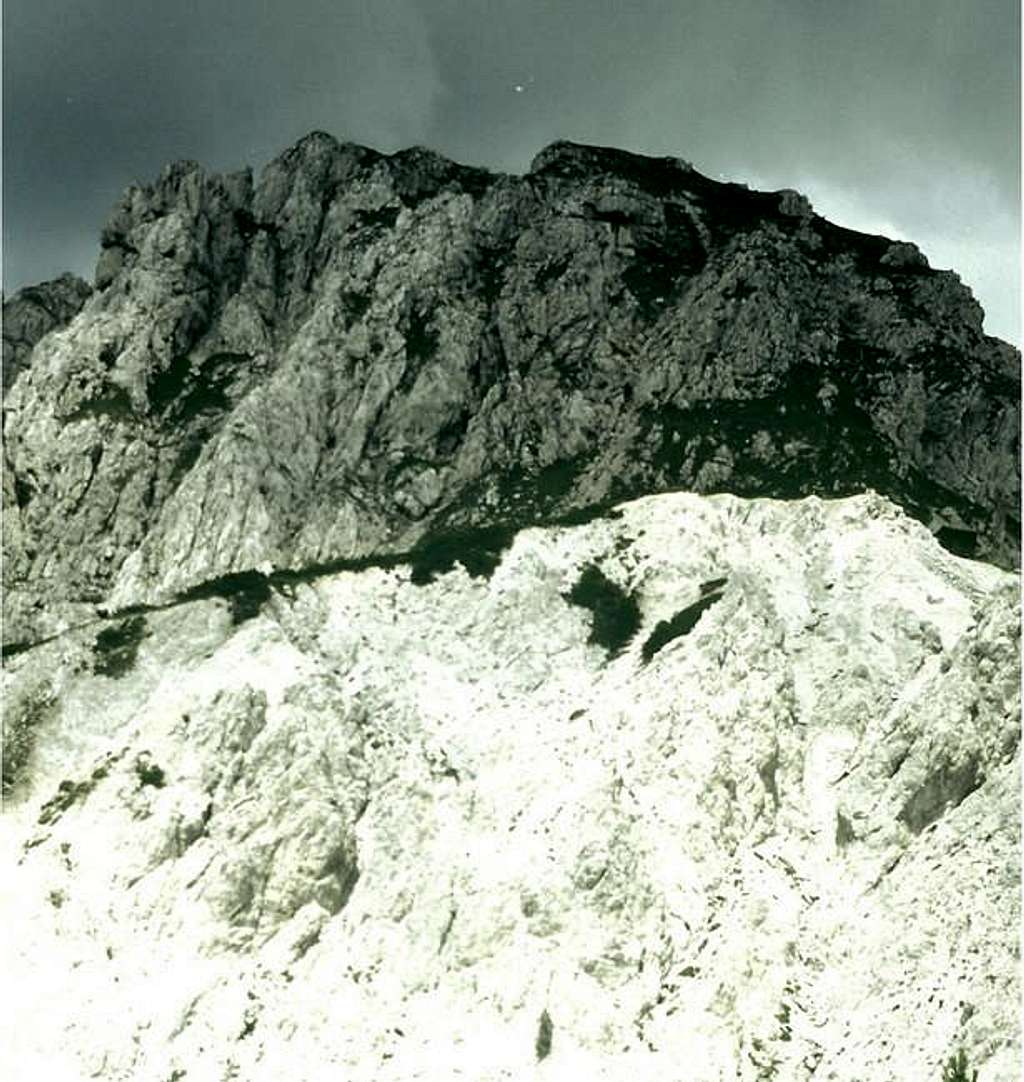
(359, 353)
(472, 626)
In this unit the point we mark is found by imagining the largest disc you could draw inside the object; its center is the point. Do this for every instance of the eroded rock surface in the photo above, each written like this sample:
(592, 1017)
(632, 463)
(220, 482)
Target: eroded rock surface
(32, 313)
(354, 725)
(708, 788)
(358, 351)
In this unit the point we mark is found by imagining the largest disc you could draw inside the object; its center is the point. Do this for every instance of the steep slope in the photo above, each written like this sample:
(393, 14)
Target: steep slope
(707, 782)
(32, 313)
(359, 352)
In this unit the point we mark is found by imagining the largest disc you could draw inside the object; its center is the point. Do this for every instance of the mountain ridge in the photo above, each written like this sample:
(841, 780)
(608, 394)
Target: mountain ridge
(362, 350)
(518, 627)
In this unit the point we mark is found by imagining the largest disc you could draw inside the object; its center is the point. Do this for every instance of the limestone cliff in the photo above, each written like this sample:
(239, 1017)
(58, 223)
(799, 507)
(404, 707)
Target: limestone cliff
(360, 351)
(468, 626)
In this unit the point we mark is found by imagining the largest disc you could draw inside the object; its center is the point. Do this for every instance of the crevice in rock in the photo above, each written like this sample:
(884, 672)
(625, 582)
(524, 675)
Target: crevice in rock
(446, 931)
(944, 789)
(682, 623)
(113, 402)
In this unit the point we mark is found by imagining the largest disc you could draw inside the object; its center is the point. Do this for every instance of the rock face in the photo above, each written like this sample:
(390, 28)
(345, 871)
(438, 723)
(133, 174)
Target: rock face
(707, 788)
(35, 311)
(499, 627)
(361, 353)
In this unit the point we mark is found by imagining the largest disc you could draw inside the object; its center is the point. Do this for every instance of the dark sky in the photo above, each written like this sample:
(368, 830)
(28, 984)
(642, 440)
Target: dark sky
(894, 116)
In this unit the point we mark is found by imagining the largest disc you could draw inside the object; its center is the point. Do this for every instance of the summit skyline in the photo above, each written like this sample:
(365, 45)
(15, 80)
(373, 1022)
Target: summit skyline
(900, 120)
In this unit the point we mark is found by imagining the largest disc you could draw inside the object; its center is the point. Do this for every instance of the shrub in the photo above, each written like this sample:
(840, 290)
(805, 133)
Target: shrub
(148, 772)
(73, 792)
(479, 550)
(615, 615)
(245, 591)
(20, 722)
(544, 1032)
(956, 1069)
(116, 647)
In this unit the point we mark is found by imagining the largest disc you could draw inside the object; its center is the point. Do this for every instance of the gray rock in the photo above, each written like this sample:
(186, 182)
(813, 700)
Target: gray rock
(305, 725)
(902, 254)
(359, 352)
(32, 313)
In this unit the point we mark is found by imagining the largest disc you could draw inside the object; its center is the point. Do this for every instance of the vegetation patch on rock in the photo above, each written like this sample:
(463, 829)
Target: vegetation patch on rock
(21, 722)
(615, 615)
(544, 1033)
(117, 647)
(478, 550)
(956, 1069)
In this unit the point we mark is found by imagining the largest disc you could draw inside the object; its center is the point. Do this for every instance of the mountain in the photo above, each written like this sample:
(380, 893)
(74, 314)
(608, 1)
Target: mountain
(461, 625)
(360, 353)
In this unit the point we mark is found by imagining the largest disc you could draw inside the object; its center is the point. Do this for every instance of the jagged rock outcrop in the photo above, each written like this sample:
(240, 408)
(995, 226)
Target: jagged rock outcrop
(708, 788)
(360, 352)
(347, 701)
(35, 311)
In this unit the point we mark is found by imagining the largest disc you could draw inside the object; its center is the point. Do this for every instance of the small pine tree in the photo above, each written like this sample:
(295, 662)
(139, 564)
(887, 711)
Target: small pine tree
(956, 1069)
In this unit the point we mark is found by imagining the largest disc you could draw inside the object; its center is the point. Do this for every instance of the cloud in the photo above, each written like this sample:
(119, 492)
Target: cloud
(909, 111)
(893, 117)
(100, 95)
